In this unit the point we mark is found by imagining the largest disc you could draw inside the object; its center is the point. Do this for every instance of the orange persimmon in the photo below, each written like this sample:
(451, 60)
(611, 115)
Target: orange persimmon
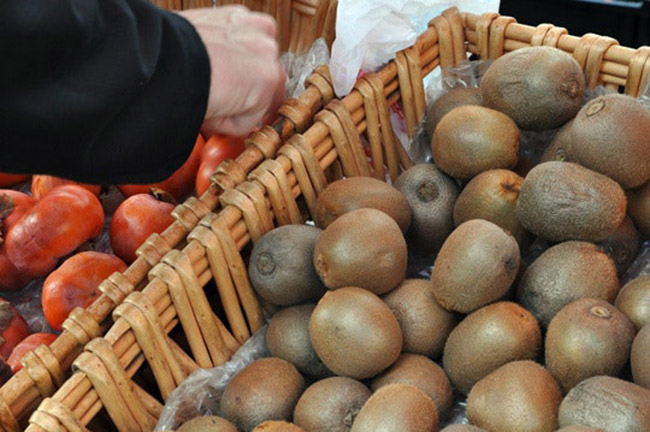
(217, 149)
(42, 184)
(13, 205)
(30, 343)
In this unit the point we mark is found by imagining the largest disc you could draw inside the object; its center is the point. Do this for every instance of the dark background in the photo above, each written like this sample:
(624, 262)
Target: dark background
(628, 21)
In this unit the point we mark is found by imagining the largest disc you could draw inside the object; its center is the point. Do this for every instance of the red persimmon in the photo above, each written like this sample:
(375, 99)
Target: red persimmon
(217, 149)
(75, 283)
(42, 184)
(30, 343)
(13, 328)
(13, 205)
(12, 179)
(56, 225)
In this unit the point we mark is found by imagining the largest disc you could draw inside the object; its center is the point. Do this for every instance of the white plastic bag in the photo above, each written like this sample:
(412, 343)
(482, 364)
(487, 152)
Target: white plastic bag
(370, 32)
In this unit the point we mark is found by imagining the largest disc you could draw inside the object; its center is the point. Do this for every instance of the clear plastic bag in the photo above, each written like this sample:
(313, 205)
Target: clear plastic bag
(299, 67)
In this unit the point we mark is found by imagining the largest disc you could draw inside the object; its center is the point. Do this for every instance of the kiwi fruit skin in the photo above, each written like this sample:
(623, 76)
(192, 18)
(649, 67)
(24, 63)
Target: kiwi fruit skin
(640, 357)
(634, 301)
(475, 266)
(354, 333)
(431, 194)
(492, 195)
(610, 135)
(281, 269)
(564, 273)
(331, 405)
(519, 396)
(207, 424)
(462, 428)
(277, 426)
(588, 337)
(422, 373)
(472, 139)
(353, 193)
(424, 323)
(560, 147)
(579, 428)
(639, 208)
(267, 389)
(607, 403)
(539, 87)
(623, 246)
(287, 337)
(397, 407)
(363, 248)
(561, 201)
(486, 340)
(454, 98)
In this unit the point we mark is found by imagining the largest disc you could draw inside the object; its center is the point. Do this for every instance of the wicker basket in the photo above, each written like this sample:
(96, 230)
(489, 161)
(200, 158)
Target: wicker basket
(252, 196)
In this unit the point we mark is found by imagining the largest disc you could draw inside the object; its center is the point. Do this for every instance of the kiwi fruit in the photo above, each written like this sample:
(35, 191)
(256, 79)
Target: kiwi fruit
(267, 389)
(281, 269)
(539, 87)
(492, 195)
(640, 357)
(424, 323)
(207, 424)
(561, 201)
(634, 301)
(354, 333)
(397, 407)
(452, 99)
(564, 273)
(639, 207)
(623, 246)
(475, 266)
(422, 373)
(610, 135)
(462, 428)
(560, 147)
(588, 337)
(363, 248)
(431, 194)
(579, 428)
(353, 193)
(486, 340)
(519, 396)
(472, 139)
(277, 426)
(331, 404)
(287, 337)
(607, 403)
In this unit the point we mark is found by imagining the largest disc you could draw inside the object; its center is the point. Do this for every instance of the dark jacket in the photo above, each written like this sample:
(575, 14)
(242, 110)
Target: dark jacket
(99, 91)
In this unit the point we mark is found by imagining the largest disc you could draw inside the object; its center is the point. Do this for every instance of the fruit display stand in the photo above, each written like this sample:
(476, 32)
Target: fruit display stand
(251, 195)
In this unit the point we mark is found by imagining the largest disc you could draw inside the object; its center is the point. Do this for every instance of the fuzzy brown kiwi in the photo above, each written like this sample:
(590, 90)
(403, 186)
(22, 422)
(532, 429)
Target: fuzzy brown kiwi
(639, 207)
(610, 135)
(487, 339)
(579, 428)
(397, 407)
(331, 404)
(472, 139)
(475, 266)
(640, 357)
(422, 373)
(561, 201)
(452, 99)
(287, 337)
(353, 193)
(281, 269)
(607, 403)
(560, 147)
(278, 426)
(518, 396)
(207, 424)
(354, 333)
(623, 246)
(267, 389)
(462, 428)
(492, 195)
(634, 301)
(564, 273)
(431, 194)
(424, 323)
(539, 87)
(588, 337)
(363, 248)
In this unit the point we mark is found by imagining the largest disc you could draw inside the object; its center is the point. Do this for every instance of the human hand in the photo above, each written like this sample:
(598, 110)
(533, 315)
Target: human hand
(247, 78)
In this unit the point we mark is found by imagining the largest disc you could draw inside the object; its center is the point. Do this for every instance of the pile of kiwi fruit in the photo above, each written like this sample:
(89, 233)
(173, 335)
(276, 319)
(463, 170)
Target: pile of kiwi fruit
(527, 311)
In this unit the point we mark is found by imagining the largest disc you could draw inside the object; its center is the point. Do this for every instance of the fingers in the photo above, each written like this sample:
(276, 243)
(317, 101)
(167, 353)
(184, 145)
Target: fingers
(232, 15)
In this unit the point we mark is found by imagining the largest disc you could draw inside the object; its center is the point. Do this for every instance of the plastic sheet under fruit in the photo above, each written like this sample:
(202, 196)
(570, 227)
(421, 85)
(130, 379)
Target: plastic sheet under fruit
(299, 67)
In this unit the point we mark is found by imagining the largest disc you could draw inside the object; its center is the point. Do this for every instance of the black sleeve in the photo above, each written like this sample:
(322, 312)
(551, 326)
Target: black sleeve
(99, 91)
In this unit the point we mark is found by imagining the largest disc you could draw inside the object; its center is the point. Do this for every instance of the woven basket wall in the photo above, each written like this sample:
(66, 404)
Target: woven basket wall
(132, 369)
